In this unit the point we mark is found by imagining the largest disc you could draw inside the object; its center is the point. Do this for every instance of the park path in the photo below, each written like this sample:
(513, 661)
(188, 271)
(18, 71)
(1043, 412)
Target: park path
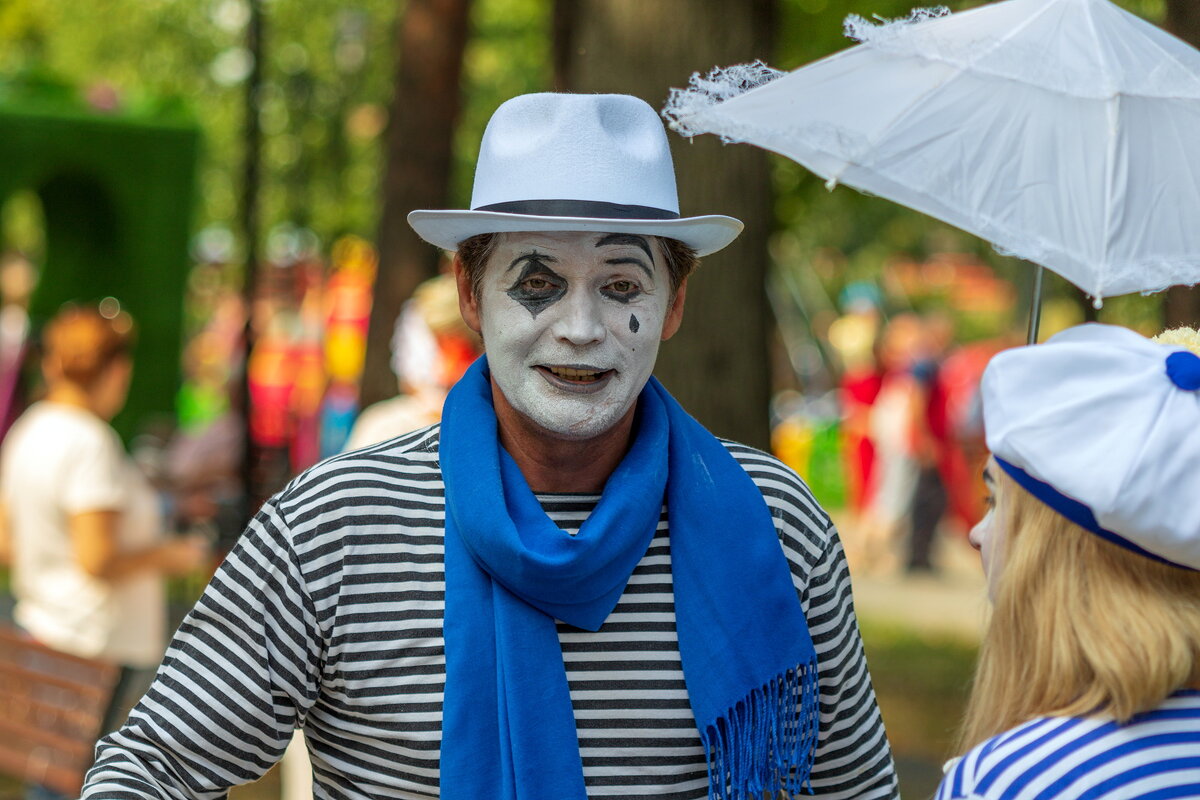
(952, 601)
(949, 601)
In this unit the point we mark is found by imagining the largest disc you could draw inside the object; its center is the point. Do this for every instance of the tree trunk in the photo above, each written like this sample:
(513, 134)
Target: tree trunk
(1182, 303)
(718, 365)
(430, 38)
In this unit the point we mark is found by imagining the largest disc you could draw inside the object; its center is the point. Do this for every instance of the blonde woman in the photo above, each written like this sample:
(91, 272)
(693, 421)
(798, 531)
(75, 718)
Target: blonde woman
(81, 525)
(1088, 683)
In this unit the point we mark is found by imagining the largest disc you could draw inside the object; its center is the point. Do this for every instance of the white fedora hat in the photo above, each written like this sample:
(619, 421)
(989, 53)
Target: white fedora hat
(575, 162)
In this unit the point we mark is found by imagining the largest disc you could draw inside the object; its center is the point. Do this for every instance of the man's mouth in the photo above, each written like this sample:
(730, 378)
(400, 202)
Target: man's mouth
(582, 377)
(578, 375)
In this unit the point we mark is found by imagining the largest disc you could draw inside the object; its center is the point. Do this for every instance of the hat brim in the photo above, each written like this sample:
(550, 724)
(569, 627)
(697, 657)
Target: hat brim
(446, 229)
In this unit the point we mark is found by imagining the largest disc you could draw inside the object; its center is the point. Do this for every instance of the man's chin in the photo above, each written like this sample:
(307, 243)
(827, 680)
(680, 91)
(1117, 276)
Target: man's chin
(579, 430)
(593, 420)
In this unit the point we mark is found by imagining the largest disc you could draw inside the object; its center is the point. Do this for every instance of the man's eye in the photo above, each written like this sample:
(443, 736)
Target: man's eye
(623, 287)
(537, 284)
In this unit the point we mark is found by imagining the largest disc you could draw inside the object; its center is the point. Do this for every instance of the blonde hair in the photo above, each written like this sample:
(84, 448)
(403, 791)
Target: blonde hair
(80, 343)
(1080, 626)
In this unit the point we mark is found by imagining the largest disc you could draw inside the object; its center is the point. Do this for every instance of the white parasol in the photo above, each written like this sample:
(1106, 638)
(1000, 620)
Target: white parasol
(1065, 132)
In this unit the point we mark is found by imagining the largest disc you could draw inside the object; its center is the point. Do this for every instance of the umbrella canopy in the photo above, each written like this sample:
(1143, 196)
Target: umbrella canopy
(1065, 132)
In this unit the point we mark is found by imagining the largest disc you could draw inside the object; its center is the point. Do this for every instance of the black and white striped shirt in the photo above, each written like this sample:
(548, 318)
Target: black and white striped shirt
(327, 615)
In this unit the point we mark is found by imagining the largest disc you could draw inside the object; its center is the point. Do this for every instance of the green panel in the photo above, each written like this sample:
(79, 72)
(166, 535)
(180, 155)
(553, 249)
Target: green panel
(117, 196)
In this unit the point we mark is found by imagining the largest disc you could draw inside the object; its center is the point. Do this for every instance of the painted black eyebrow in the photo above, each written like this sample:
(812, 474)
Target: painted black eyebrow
(636, 261)
(534, 256)
(631, 239)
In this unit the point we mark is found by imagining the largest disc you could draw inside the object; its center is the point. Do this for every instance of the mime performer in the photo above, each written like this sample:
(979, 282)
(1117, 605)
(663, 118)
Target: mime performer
(568, 589)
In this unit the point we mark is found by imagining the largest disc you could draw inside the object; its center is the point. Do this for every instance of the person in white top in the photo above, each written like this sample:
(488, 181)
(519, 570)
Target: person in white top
(81, 525)
(431, 349)
(1088, 682)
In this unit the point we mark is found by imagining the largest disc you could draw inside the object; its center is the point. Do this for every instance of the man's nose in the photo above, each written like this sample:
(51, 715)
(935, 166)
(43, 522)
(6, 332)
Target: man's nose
(579, 321)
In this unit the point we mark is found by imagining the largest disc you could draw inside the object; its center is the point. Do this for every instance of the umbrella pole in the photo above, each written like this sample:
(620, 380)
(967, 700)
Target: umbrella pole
(1035, 305)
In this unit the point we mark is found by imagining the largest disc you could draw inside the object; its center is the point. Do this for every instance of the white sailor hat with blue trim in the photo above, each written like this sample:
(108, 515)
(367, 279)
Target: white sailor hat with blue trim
(1103, 425)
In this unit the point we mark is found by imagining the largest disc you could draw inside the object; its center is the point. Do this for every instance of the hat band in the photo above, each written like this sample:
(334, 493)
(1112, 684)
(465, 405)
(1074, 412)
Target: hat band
(1076, 511)
(578, 208)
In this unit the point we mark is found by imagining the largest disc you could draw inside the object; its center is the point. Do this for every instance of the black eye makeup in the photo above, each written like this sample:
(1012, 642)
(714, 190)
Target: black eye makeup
(622, 290)
(537, 286)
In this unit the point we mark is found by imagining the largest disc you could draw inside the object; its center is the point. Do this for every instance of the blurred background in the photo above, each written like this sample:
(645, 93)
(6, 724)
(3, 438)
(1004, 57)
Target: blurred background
(235, 174)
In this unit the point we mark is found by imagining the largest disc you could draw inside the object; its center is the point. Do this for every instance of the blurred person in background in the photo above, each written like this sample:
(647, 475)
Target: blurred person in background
(1088, 682)
(966, 454)
(931, 442)
(431, 349)
(896, 426)
(854, 336)
(18, 277)
(204, 457)
(204, 476)
(81, 525)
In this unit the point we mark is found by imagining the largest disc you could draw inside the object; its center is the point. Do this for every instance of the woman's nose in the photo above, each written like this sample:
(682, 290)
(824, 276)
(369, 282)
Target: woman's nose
(975, 537)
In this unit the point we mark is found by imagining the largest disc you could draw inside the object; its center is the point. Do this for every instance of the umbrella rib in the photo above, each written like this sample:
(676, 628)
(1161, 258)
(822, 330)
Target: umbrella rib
(1090, 16)
(1112, 108)
(1166, 54)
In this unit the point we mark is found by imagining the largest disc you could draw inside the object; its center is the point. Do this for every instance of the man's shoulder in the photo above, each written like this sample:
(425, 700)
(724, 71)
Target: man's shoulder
(774, 478)
(396, 468)
(797, 513)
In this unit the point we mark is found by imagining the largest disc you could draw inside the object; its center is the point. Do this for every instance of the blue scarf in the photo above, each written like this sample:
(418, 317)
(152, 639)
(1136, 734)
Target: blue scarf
(748, 660)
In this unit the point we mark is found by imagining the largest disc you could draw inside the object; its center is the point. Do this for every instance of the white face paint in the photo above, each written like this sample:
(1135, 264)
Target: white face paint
(572, 324)
(988, 534)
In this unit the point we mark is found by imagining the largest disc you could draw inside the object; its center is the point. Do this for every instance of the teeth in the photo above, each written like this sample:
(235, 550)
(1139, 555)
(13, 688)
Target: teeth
(581, 375)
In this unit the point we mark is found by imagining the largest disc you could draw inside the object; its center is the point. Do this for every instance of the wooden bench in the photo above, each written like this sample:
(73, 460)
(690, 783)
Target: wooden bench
(51, 708)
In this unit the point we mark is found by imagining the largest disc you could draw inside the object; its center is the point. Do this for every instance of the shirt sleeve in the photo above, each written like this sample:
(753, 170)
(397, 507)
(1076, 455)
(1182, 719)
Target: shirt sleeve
(94, 478)
(853, 759)
(239, 675)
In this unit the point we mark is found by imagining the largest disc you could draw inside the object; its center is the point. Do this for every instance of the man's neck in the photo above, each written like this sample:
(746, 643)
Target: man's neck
(553, 464)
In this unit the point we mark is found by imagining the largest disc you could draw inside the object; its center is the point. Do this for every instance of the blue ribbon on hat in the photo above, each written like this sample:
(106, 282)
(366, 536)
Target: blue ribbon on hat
(1183, 368)
(1076, 511)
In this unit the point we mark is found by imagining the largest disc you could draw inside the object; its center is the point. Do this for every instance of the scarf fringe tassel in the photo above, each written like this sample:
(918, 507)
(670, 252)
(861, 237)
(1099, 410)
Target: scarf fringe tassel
(765, 743)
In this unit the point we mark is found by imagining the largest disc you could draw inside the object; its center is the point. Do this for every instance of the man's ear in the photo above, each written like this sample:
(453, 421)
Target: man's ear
(468, 304)
(675, 313)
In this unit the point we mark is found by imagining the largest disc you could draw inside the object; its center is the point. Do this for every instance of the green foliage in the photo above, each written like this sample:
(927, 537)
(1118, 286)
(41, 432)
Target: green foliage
(508, 54)
(111, 230)
(921, 682)
(327, 85)
(326, 60)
